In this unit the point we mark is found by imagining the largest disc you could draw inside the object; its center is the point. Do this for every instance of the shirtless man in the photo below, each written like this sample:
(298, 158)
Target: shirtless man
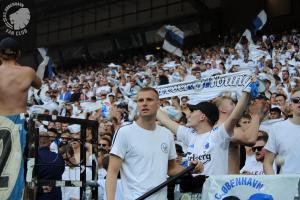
(15, 80)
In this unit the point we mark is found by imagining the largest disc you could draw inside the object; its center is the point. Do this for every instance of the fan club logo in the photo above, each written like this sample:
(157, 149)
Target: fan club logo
(16, 17)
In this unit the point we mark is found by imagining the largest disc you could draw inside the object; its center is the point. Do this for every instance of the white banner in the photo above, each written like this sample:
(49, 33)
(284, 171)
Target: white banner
(236, 187)
(207, 88)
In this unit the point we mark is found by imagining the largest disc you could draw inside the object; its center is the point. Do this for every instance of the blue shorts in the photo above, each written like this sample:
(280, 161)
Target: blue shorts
(13, 138)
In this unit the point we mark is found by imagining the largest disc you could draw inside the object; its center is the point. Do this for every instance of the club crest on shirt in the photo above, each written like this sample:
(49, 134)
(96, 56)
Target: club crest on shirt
(164, 147)
(206, 146)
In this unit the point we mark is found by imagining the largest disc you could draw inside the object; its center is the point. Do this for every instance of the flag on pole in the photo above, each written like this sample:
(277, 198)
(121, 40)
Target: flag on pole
(42, 67)
(174, 38)
(50, 73)
(257, 24)
(45, 69)
(248, 35)
(259, 21)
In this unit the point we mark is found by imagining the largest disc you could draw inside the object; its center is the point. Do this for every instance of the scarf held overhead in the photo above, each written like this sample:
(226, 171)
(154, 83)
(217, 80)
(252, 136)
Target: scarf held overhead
(207, 88)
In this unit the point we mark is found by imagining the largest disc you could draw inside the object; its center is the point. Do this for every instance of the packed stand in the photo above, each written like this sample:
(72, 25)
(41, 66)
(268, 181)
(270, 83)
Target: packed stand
(107, 92)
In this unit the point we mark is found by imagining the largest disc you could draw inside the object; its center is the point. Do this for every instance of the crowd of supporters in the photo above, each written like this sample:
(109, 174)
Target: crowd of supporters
(106, 92)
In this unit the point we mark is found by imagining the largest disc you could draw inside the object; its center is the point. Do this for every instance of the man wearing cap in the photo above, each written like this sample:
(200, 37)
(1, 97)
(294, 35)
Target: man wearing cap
(15, 81)
(205, 143)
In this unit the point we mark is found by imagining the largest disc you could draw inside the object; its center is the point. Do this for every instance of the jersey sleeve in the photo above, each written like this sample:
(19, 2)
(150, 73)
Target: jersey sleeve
(271, 143)
(120, 145)
(184, 134)
(220, 136)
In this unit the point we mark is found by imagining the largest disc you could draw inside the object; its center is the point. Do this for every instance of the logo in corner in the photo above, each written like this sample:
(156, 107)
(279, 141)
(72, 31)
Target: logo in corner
(164, 147)
(16, 17)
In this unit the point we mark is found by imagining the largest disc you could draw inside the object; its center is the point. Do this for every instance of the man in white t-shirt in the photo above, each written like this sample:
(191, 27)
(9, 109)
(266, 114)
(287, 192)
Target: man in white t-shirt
(205, 143)
(144, 152)
(284, 141)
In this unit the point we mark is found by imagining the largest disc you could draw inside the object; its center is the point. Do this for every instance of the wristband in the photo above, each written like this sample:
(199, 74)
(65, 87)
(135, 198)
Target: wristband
(252, 88)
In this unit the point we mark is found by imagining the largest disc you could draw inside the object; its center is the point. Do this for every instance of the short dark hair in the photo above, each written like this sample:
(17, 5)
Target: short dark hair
(53, 130)
(146, 89)
(280, 95)
(275, 109)
(264, 136)
(245, 116)
(184, 97)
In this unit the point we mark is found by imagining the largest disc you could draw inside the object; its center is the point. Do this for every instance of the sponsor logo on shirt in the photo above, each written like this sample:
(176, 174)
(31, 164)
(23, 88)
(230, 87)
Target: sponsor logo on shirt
(204, 158)
(164, 147)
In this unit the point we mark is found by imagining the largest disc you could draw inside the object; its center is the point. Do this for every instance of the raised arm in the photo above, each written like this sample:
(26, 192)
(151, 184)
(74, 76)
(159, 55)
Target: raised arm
(36, 81)
(249, 136)
(268, 162)
(114, 167)
(164, 119)
(236, 114)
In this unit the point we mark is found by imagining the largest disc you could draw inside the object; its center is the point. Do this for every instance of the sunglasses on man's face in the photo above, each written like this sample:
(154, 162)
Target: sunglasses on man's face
(102, 145)
(258, 148)
(295, 100)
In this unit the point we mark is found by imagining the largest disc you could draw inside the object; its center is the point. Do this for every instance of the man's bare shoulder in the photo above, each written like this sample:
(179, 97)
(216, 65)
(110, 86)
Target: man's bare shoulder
(27, 68)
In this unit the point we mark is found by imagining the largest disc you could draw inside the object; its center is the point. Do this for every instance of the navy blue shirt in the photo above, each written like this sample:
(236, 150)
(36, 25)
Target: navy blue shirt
(51, 166)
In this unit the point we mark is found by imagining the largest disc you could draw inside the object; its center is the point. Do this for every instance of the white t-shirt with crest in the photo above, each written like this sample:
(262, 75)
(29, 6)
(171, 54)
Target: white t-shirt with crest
(211, 148)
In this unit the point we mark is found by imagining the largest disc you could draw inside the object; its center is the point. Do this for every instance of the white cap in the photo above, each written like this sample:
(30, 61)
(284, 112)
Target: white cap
(75, 128)
(112, 65)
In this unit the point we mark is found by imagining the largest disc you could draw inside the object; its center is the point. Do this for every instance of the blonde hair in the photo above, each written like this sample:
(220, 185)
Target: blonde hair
(297, 89)
(219, 100)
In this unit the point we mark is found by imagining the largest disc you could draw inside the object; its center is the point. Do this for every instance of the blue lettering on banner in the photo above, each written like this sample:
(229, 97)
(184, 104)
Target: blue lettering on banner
(186, 88)
(240, 181)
